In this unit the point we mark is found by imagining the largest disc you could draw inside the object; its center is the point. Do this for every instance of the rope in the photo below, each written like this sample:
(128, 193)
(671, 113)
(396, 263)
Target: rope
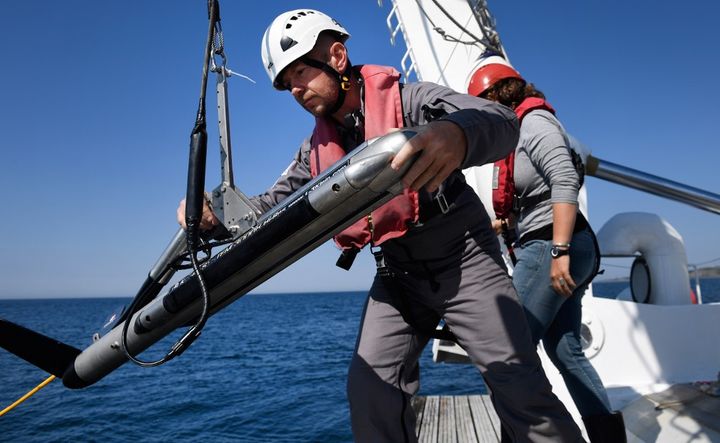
(28, 395)
(708, 262)
(485, 23)
(452, 19)
(442, 32)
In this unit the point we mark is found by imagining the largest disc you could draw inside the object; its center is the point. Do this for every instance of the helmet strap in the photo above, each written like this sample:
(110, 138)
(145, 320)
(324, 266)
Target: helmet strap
(343, 80)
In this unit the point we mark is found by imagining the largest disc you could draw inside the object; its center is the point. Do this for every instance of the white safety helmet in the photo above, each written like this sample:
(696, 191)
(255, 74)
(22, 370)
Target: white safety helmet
(292, 35)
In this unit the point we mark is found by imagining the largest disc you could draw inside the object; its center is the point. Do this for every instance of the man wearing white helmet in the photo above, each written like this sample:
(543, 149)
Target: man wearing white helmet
(438, 255)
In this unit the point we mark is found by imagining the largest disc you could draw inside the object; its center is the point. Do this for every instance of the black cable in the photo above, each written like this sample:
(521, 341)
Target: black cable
(488, 40)
(194, 205)
(198, 142)
(184, 261)
(480, 8)
(442, 32)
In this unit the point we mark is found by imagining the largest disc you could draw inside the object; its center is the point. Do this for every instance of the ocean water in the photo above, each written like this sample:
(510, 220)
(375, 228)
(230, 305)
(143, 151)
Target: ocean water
(269, 368)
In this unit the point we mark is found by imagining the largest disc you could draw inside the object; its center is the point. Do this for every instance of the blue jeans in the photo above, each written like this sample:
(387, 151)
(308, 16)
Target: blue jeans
(557, 320)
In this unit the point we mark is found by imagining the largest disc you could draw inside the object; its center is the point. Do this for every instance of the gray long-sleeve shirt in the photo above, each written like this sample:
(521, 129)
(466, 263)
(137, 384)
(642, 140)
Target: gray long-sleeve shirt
(542, 163)
(489, 129)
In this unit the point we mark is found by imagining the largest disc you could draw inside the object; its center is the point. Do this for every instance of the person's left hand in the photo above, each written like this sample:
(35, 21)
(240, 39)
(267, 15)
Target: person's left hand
(497, 226)
(208, 220)
(560, 278)
(442, 148)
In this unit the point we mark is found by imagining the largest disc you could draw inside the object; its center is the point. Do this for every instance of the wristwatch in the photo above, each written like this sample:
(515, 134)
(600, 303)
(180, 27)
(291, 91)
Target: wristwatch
(558, 251)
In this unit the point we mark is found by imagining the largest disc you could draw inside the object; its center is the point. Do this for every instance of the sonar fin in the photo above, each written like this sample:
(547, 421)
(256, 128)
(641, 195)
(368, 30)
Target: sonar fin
(44, 352)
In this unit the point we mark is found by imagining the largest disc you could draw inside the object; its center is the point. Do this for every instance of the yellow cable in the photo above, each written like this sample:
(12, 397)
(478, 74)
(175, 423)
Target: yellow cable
(28, 395)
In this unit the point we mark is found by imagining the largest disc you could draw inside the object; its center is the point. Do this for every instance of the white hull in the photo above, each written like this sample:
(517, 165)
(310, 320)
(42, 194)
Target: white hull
(639, 349)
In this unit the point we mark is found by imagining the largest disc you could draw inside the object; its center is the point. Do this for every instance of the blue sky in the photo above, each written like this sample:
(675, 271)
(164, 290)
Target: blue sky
(99, 100)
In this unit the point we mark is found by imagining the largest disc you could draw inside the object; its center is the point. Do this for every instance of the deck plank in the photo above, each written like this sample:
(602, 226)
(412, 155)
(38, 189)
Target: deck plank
(430, 420)
(456, 419)
(494, 419)
(683, 413)
(464, 420)
(418, 405)
(484, 427)
(447, 432)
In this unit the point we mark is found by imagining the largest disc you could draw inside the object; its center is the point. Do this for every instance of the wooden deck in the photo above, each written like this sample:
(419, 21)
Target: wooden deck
(683, 413)
(456, 419)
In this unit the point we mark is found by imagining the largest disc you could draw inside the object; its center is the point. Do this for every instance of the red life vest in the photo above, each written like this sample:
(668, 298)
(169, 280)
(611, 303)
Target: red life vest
(383, 112)
(503, 189)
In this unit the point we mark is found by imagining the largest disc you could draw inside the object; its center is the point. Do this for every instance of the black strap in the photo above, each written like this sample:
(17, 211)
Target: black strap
(346, 259)
(522, 203)
(343, 79)
(509, 237)
(546, 232)
(401, 303)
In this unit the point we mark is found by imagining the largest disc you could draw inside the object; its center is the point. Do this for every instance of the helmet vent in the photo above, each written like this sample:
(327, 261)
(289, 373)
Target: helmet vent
(299, 14)
(292, 35)
(287, 43)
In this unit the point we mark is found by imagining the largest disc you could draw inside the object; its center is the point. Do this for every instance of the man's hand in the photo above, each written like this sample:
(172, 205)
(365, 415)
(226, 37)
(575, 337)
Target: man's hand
(509, 222)
(207, 221)
(442, 146)
(497, 226)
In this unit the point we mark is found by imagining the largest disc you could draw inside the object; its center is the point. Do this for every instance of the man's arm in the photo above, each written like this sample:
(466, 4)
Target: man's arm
(292, 179)
(473, 132)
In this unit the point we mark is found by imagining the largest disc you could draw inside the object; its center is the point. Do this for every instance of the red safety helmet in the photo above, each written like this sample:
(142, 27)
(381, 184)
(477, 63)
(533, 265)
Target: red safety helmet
(489, 71)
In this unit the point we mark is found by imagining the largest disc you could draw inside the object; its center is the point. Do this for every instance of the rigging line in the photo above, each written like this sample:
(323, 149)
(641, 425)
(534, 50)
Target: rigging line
(461, 27)
(488, 31)
(218, 40)
(196, 172)
(442, 32)
(447, 14)
(28, 395)
(708, 261)
(213, 17)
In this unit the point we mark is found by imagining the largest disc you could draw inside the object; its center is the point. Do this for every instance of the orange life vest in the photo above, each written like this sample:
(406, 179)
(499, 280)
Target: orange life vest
(383, 112)
(503, 189)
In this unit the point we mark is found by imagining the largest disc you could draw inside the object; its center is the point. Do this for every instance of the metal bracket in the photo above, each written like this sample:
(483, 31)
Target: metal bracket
(235, 210)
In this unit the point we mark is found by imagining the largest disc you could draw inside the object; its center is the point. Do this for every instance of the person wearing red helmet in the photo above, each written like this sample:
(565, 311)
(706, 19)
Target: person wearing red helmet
(557, 255)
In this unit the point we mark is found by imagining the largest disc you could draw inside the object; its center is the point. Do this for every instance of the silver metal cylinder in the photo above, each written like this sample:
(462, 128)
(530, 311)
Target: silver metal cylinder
(653, 184)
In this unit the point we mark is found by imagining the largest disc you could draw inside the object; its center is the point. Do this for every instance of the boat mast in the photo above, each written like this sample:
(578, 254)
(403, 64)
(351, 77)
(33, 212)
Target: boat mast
(444, 41)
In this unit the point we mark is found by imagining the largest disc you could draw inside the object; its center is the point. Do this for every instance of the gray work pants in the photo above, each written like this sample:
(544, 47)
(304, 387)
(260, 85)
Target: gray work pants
(454, 270)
